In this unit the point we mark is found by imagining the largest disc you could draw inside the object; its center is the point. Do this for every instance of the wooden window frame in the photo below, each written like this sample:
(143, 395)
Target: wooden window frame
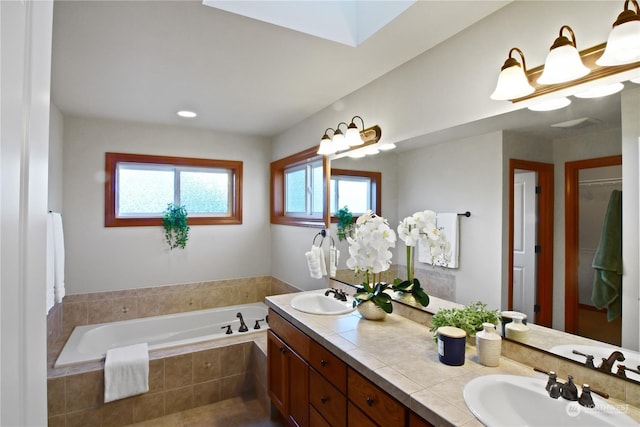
(278, 168)
(111, 163)
(374, 177)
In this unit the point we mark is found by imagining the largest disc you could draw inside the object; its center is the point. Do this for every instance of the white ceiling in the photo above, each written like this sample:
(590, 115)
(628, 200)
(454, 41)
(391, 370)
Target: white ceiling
(145, 60)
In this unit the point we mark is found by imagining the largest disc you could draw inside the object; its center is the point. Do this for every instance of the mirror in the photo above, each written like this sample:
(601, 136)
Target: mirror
(526, 135)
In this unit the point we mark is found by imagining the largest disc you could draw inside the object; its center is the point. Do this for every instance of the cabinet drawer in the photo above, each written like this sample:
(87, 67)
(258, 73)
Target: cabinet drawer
(294, 338)
(382, 408)
(356, 418)
(327, 400)
(329, 366)
(315, 419)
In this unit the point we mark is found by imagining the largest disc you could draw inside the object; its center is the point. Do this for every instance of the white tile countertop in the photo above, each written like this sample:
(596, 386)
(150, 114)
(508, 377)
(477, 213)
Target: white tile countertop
(401, 357)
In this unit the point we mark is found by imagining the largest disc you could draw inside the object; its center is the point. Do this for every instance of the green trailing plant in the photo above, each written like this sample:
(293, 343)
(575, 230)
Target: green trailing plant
(345, 223)
(176, 230)
(469, 318)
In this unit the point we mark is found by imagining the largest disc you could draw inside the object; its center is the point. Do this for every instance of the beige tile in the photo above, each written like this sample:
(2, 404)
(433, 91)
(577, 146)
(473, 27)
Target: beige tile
(156, 375)
(84, 390)
(149, 305)
(117, 413)
(125, 308)
(206, 365)
(179, 400)
(86, 418)
(73, 314)
(206, 393)
(100, 311)
(235, 385)
(56, 397)
(232, 360)
(178, 371)
(148, 406)
(57, 421)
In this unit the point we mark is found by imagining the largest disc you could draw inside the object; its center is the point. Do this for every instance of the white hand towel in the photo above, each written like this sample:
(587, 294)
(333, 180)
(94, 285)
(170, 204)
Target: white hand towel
(126, 372)
(314, 264)
(334, 257)
(321, 258)
(58, 250)
(50, 267)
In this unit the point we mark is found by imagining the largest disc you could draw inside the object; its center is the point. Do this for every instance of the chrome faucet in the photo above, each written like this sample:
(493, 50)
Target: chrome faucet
(607, 364)
(243, 326)
(337, 294)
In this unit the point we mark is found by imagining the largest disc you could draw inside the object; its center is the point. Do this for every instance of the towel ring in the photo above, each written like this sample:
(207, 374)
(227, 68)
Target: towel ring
(322, 233)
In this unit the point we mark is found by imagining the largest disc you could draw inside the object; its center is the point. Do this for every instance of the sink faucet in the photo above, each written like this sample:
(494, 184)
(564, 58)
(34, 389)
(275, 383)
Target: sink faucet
(337, 294)
(607, 364)
(589, 362)
(243, 326)
(569, 390)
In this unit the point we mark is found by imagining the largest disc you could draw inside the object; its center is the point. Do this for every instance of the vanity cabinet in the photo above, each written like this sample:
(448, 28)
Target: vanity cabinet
(310, 386)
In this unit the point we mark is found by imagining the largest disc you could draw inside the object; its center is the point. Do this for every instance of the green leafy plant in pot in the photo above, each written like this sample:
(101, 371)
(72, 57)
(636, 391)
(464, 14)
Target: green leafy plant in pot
(176, 229)
(469, 318)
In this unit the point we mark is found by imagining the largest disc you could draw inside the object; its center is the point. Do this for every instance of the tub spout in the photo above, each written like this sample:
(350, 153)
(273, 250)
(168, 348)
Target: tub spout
(243, 326)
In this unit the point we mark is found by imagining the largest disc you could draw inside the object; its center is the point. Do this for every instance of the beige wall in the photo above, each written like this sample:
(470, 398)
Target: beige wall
(101, 259)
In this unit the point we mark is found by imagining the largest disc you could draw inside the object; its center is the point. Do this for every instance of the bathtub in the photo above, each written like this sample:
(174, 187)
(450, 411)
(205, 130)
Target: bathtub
(91, 342)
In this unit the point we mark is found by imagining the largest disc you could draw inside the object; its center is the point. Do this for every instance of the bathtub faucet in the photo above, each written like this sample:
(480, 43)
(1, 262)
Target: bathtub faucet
(243, 326)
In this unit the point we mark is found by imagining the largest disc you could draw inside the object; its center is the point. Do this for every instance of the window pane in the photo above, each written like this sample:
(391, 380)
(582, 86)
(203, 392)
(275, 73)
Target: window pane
(317, 190)
(205, 192)
(353, 192)
(143, 191)
(295, 191)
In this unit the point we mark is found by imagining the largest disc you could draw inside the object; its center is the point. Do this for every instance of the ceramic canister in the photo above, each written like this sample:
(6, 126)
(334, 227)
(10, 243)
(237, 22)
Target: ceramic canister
(488, 345)
(451, 345)
(507, 317)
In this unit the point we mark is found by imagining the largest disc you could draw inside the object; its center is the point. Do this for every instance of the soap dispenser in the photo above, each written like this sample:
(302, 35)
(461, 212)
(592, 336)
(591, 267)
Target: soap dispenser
(489, 345)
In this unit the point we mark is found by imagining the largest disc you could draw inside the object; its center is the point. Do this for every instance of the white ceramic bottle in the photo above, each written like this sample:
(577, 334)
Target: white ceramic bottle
(489, 345)
(517, 330)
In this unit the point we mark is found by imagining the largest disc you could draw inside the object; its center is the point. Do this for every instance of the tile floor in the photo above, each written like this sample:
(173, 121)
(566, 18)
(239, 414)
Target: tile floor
(234, 412)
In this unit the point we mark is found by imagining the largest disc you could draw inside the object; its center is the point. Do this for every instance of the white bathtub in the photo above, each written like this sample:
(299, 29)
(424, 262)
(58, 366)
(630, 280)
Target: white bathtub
(91, 342)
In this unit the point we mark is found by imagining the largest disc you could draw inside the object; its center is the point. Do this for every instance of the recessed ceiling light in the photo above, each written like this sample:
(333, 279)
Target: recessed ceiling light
(186, 114)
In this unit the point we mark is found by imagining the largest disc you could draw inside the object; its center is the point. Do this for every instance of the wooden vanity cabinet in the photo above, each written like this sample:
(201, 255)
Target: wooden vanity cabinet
(310, 386)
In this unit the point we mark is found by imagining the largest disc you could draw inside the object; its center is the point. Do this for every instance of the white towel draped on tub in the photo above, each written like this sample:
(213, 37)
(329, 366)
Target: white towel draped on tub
(126, 372)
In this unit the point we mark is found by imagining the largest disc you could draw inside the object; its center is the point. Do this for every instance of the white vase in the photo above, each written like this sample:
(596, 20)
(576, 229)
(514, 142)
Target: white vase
(489, 345)
(369, 310)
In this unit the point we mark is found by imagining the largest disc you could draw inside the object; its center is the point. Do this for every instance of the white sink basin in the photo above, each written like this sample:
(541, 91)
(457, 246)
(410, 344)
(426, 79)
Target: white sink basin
(317, 303)
(510, 400)
(632, 358)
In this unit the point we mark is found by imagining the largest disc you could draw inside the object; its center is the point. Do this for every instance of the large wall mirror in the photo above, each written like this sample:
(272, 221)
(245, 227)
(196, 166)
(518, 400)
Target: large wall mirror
(587, 131)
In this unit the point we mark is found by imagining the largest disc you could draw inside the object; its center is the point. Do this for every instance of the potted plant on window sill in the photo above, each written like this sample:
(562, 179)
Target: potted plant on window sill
(176, 230)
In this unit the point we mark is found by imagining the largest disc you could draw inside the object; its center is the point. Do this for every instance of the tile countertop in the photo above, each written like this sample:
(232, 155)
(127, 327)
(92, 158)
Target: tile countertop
(401, 357)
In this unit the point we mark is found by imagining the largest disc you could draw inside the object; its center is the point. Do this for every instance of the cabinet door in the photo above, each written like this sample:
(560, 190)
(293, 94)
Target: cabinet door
(356, 418)
(298, 390)
(416, 421)
(277, 372)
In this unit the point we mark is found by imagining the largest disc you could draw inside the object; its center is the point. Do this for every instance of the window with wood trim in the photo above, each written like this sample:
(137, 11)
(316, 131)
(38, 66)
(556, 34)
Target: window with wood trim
(298, 189)
(139, 187)
(358, 190)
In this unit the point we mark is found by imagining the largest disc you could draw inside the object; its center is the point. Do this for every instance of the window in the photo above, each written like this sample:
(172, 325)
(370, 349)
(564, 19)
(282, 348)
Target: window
(298, 189)
(139, 187)
(358, 190)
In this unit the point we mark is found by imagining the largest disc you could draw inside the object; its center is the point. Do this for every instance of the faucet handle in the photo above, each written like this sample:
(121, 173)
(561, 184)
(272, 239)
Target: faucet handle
(585, 398)
(589, 362)
(257, 325)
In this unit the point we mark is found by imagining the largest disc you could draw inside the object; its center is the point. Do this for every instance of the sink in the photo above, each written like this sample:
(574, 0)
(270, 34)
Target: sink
(316, 302)
(510, 400)
(632, 358)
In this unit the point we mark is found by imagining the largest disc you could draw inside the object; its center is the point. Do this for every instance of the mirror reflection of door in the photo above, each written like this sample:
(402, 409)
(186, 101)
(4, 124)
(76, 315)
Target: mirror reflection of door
(524, 242)
(530, 281)
(589, 184)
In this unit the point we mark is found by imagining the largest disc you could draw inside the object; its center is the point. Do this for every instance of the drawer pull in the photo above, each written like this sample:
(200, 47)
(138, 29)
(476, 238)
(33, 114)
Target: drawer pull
(370, 401)
(283, 350)
(324, 399)
(324, 363)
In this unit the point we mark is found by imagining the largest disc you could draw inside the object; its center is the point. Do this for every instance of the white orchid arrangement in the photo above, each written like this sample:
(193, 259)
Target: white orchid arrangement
(413, 230)
(369, 253)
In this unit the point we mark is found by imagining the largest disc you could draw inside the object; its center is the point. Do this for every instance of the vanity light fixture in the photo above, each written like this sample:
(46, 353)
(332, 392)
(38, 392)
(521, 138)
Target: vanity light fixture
(563, 62)
(335, 141)
(551, 104)
(353, 136)
(512, 81)
(623, 44)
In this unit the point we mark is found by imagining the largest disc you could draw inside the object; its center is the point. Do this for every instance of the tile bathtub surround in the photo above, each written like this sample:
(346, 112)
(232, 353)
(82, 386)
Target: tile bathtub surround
(429, 388)
(177, 382)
